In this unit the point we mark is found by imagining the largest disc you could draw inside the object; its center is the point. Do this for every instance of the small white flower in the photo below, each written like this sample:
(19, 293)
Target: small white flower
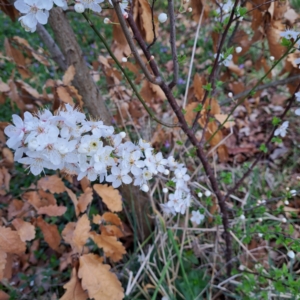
(291, 254)
(207, 193)
(289, 34)
(118, 176)
(282, 129)
(92, 5)
(162, 18)
(238, 49)
(196, 217)
(165, 190)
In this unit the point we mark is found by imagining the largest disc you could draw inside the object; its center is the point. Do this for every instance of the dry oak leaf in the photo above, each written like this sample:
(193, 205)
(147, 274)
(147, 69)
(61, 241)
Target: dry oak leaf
(52, 183)
(112, 230)
(4, 296)
(25, 230)
(74, 200)
(81, 233)
(3, 257)
(68, 231)
(10, 241)
(110, 245)
(50, 232)
(64, 95)
(100, 283)
(111, 218)
(110, 196)
(74, 290)
(85, 199)
(69, 75)
(52, 210)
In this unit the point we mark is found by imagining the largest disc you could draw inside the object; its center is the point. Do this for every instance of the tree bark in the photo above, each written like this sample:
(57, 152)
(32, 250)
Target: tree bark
(83, 81)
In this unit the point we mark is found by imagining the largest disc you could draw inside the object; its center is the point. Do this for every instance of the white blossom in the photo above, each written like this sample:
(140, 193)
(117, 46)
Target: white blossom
(196, 217)
(281, 130)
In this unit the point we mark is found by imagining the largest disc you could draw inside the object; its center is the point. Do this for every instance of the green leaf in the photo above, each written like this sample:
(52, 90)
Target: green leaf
(263, 148)
(198, 108)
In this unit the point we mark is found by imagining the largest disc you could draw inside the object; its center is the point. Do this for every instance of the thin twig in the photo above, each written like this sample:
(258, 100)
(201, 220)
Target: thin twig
(150, 77)
(151, 114)
(192, 59)
(173, 43)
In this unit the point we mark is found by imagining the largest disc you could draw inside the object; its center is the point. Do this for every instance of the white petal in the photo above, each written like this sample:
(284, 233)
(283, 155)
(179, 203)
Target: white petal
(29, 20)
(95, 7)
(36, 169)
(17, 121)
(22, 7)
(59, 3)
(44, 4)
(42, 18)
(116, 184)
(126, 179)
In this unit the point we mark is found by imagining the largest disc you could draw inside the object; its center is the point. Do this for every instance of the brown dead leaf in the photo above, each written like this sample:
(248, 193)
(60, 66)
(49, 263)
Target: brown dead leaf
(96, 278)
(81, 233)
(18, 58)
(50, 232)
(10, 241)
(25, 229)
(221, 119)
(111, 218)
(69, 75)
(111, 230)
(4, 87)
(64, 95)
(68, 231)
(4, 296)
(74, 200)
(110, 245)
(52, 183)
(143, 18)
(74, 290)
(52, 210)
(197, 7)
(3, 256)
(85, 199)
(110, 196)
(97, 219)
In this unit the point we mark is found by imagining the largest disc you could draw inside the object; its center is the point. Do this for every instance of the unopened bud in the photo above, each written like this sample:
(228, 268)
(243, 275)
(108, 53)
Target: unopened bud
(166, 172)
(200, 194)
(207, 193)
(122, 134)
(124, 59)
(242, 217)
(238, 49)
(190, 9)
(230, 95)
(260, 235)
(165, 190)
(125, 15)
(145, 188)
(286, 202)
(272, 58)
(106, 21)
(283, 220)
(162, 18)
(79, 8)
(291, 254)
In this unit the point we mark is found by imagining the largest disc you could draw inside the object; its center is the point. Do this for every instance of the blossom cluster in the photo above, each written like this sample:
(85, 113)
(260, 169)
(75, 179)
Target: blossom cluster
(37, 11)
(69, 142)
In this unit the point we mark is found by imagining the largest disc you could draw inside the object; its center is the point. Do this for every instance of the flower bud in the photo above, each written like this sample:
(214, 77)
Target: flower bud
(122, 134)
(166, 172)
(283, 220)
(238, 49)
(286, 202)
(207, 193)
(79, 8)
(230, 95)
(145, 188)
(162, 17)
(190, 9)
(200, 194)
(291, 254)
(272, 58)
(242, 217)
(124, 59)
(165, 190)
(260, 235)
(106, 21)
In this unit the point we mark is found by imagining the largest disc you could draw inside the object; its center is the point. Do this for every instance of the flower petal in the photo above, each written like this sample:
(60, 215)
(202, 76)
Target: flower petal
(22, 7)
(42, 18)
